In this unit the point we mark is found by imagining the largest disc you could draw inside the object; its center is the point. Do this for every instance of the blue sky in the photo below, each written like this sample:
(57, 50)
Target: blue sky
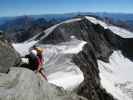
(26, 7)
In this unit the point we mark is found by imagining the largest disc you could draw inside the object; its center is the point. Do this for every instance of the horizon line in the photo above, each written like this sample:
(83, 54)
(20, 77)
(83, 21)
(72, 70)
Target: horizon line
(65, 13)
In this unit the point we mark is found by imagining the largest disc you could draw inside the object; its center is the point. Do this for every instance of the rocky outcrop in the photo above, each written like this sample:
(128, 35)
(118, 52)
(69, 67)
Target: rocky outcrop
(23, 84)
(8, 55)
(91, 87)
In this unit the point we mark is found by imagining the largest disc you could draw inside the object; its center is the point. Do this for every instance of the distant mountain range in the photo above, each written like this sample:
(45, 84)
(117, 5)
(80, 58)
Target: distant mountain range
(16, 27)
(115, 16)
(47, 17)
(22, 28)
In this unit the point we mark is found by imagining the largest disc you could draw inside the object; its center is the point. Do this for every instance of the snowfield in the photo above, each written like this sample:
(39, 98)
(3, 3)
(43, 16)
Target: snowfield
(116, 76)
(59, 66)
(23, 48)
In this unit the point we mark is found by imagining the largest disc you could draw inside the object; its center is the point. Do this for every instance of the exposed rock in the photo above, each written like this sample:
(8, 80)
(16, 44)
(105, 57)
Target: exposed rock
(119, 43)
(91, 87)
(8, 55)
(23, 84)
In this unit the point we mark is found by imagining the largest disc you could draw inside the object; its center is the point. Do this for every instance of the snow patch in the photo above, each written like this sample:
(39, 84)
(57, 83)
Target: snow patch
(117, 30)
(96, 21)
(23, 48)
(71, 20)
(74, 48)
(116, 73)
(121, 32)
(67, 79)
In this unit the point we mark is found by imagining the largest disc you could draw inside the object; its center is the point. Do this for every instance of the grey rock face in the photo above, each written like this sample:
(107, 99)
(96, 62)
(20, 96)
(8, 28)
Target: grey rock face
(8, 55)
(23, 84)
(91, 87)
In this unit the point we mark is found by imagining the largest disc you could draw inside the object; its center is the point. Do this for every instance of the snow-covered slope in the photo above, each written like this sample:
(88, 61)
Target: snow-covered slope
(59, 67)
(23, 48)
(117, 30)
(116, 76)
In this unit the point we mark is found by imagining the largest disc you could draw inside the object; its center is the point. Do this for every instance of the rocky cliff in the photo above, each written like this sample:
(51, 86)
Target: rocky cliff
(8, 55)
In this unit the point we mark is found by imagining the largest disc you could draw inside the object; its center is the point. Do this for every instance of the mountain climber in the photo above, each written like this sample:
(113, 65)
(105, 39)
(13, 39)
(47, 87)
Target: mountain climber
(35, 63)
(41, 60)
(32, 60)
(39, 53)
